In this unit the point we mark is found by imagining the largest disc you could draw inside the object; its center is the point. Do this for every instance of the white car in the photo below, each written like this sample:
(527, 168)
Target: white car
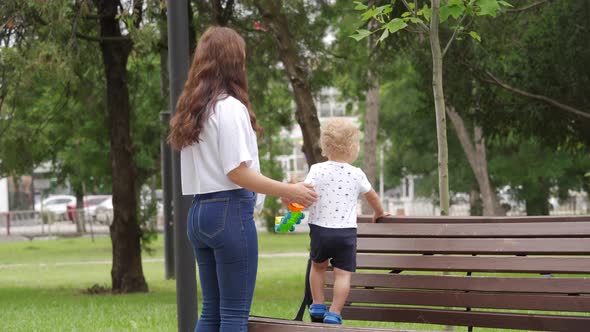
(57, 205)
(103, 212)
(90, 204)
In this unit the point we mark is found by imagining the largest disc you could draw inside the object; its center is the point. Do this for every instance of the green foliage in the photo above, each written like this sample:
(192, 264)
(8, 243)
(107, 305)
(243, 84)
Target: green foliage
(475, 35)
(361, 34)
(407, 124)
(56, 106)
(549, 58)
(395, 25)
(455, 9)
(541, 172)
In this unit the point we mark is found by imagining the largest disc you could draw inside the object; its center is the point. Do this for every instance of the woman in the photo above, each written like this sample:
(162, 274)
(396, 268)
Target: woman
(215, 130)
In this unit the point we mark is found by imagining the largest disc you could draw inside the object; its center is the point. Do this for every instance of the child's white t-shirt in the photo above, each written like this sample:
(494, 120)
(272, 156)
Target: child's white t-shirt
(226, 140)
(338, 186)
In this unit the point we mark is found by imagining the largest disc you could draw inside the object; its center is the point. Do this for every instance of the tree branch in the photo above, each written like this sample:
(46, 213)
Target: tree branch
(65, 96)
(424, 26)
(527, 7)
(453, 36)
(137, 13)
(552, 102)
(103, 39)
(97, 17)
(40, 20)
(462, 134)
(9, 118)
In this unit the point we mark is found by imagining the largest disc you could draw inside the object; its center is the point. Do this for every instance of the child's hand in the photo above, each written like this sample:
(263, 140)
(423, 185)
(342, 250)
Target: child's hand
(285, 201)
(378, 215)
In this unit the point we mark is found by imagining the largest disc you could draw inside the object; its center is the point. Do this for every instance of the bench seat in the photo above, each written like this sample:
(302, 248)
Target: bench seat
(508, 273)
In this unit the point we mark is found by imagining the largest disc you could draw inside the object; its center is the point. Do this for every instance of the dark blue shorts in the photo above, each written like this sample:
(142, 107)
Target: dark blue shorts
(339, 244)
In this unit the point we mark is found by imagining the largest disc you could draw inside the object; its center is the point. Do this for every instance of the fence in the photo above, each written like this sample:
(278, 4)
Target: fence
(575, 205)
(32, 224)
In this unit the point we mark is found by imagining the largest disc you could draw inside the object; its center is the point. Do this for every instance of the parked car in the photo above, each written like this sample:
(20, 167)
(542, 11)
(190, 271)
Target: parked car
(90, 204)
(103, 212)
(56, 205)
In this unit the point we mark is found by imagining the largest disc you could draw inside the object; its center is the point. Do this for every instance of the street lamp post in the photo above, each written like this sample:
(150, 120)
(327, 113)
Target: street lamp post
(178, 55)
(166, 161)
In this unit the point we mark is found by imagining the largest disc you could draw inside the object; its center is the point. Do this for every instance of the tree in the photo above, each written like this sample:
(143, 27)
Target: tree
(298, 71)
(127, 275)
(435, 14)
(43, 30)
(405, 119)
(371, 126)
(466, 98)
(529, 75)
(521, 95)
(475, 151)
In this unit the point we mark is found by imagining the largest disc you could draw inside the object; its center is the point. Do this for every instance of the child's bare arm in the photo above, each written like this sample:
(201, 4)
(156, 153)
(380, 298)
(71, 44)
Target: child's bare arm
(375, 203)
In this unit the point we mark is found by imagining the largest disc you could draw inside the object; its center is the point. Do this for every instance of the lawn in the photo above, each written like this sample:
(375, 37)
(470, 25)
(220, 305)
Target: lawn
(43, 283)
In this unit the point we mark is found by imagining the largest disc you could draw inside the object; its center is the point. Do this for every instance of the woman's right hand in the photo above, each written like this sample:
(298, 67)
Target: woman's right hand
(302, 193)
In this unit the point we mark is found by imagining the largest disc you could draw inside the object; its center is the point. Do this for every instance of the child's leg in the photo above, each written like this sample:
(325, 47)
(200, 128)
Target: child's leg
(317, 277)
(341, 289)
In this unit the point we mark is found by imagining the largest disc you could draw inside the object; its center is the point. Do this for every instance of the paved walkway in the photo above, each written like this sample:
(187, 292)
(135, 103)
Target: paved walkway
(66, 228)
(145, 260)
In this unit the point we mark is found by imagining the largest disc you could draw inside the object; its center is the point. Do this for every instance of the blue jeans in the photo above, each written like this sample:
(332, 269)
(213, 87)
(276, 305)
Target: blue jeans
(223, 234)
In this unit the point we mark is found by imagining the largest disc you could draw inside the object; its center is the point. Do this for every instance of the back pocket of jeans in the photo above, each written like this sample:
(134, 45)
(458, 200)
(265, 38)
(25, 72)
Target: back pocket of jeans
(247, 210)
(212, 215)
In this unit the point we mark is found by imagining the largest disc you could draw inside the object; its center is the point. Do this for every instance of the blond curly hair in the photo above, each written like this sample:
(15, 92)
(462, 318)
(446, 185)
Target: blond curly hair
(340, 137)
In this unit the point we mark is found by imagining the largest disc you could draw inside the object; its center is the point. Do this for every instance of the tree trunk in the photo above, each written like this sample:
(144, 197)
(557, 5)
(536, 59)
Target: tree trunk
(221, 14)
(371, 116)
(475, 207)
(477, 157)
(126, 274)
(78, 214)
(439, 106)
(163, 50)
(537, 200)
(192, 30)
(306, 113)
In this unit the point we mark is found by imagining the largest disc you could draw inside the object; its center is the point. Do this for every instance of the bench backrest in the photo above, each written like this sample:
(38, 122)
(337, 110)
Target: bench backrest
(529, 273)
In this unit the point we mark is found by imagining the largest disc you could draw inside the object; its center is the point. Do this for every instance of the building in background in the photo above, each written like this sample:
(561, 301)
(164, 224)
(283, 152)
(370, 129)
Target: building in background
(4, 195)
(328, 104)
(23, 192)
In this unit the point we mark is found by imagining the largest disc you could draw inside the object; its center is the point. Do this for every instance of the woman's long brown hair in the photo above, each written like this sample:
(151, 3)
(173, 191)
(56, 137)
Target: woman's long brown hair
(218, 68)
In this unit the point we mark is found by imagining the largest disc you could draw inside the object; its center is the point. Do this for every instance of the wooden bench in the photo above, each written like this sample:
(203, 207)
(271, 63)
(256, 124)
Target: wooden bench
(526, 273)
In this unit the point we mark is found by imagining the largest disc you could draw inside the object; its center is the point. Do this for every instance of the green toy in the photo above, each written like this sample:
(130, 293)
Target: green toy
(287, 223)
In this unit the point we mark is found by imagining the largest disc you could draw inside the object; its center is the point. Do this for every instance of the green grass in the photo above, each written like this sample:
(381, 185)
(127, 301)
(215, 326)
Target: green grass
(35, 296)
(83, 249)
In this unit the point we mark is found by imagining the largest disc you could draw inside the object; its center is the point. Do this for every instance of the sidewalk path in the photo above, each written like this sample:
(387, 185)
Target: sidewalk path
(146, 260)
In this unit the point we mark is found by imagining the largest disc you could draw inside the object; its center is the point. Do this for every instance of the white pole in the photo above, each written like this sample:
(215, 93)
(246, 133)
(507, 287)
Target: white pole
(381, 173)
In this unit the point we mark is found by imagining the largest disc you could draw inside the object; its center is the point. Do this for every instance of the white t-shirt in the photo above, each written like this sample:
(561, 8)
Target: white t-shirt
(226, 140)
(338, 186)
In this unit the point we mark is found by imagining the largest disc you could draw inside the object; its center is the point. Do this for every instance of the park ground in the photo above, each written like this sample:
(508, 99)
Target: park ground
(44, 286)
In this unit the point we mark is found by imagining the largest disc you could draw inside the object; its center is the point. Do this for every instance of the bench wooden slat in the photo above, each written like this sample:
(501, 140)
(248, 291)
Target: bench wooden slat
(476, 230)
(471, 220)
(264, 324)
(564, 265)
(486, 300)
(571, 246)
(459, 283)
(486, 247)
(470, 318)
